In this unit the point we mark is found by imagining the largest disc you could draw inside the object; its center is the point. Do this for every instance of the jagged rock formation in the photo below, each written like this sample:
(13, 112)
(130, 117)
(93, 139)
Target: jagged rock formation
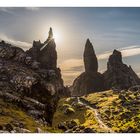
(119, 75)
(90, 80)
(32, 74)
(90, 59)
(45, 53)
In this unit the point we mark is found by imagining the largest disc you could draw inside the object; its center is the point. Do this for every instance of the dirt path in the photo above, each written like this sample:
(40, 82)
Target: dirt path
(97, 116)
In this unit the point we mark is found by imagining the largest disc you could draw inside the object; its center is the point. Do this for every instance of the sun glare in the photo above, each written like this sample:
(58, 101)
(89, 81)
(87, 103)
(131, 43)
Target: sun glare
(57, 36)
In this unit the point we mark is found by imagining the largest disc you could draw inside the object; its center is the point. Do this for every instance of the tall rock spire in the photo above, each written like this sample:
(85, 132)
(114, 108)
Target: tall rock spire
(90, 80)
(48, 54)
(45, 53)
(50, 33)
(90, 59)
(50, 37)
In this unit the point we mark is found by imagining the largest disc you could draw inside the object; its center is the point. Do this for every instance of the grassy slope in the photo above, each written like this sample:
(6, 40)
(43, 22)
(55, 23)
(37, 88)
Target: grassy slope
(10, 113)
(82, 115)
(120, 114)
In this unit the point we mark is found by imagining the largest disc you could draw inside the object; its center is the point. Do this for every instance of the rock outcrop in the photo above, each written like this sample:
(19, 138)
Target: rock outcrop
(118, 74)
(90, 59)
(45, 53)
(90, 80)
(32, 74)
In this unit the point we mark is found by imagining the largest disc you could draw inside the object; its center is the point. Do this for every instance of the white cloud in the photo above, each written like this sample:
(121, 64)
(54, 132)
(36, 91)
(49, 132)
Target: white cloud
(21, 44)
(126, 52)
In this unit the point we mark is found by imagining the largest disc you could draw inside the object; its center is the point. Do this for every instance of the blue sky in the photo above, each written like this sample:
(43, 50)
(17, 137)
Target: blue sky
(107, 28)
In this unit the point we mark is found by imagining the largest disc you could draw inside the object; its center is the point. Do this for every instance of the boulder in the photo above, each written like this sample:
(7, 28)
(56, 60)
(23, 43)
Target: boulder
(71, 124)
(62, 126)
(69, 111)
(38, 130)
(22, 130)
(89, 130)
(8, 127)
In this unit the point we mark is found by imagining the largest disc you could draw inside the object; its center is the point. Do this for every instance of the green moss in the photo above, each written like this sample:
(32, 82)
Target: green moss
(83, 117)
(11, 113)
(117, 113)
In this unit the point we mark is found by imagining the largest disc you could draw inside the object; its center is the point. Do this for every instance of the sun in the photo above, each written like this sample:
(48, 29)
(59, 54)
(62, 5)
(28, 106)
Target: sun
(57, 36)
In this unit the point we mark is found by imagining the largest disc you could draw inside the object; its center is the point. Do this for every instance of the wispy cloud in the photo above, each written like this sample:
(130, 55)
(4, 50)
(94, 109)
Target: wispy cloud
(126, 52)
(8, 10)
(21, 44)
(71, 68)
(32, 8)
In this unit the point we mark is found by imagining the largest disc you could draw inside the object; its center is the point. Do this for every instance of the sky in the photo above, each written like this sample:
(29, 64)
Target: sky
(107, 29)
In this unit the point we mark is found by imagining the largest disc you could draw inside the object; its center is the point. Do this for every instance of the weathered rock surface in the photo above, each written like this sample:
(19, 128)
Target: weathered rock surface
(118, 74)
(90, 59)
(22, 76)
(87, 83)
(45, 53)
(90, 80)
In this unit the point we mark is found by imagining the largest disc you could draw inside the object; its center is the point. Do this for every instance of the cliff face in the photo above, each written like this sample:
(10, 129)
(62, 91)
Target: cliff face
(45, 53)
(22, 76)
(48, 55)
(90, 80)
(119, 75)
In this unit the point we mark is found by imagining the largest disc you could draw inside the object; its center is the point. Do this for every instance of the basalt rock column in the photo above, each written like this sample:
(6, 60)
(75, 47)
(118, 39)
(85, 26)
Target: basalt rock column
(90, 80)
(90, 59)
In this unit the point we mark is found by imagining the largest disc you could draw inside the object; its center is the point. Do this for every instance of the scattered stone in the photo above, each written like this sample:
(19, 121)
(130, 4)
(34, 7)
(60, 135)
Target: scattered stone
(62, 126)
(3, 131)
(13, 131)
(71, 124)
(89, 130)
(8, 127)
(69, 111)
(22, 130)
(36, 114)
(38, 130)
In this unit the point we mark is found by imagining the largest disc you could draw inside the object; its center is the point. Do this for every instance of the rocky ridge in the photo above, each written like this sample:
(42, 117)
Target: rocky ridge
(117, 76)
(33, 83)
